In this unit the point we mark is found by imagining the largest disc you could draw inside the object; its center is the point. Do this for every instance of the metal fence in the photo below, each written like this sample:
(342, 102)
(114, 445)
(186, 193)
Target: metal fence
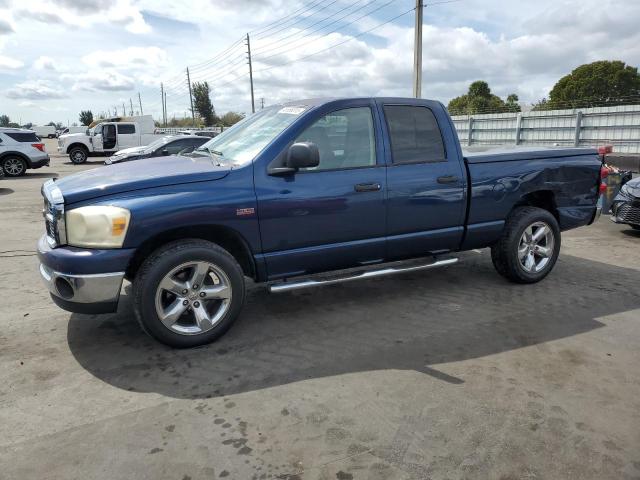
(616, 125)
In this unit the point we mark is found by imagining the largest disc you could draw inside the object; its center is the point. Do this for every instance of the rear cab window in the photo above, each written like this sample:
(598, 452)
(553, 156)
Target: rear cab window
(126, 129)
(23, 137)
(415, 135)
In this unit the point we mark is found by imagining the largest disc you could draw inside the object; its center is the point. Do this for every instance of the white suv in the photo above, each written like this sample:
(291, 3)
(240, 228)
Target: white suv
(20, 149)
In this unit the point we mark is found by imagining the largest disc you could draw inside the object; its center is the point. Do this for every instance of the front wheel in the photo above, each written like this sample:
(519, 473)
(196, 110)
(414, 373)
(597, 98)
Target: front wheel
(78, 155)
(188, 293)
(529, 245)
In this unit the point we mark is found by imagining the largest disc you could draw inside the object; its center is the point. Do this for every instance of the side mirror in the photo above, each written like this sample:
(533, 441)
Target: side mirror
(303, 155)
(299, 155)
(165, 151)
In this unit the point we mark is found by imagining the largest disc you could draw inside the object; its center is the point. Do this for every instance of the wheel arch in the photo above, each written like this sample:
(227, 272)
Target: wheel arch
(227, 238)
(544, 199)
(77, 144)
(16, 154)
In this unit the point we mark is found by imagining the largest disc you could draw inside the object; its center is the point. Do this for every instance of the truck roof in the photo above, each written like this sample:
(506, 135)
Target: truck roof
(14, 129)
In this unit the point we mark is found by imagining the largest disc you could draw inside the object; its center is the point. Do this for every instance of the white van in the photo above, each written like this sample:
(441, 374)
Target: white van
(46, 131)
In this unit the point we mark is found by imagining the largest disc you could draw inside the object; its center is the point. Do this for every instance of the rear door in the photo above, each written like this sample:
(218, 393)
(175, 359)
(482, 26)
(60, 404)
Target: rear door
(127, 135)
(425, 179)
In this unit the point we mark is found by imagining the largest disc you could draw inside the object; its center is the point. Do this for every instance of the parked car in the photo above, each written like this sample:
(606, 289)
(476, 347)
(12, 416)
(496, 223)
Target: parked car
(299, 189)
(45, 131)
(21, 150)
(108, 137)
(200, 133)
(626, 205)
(169, 145)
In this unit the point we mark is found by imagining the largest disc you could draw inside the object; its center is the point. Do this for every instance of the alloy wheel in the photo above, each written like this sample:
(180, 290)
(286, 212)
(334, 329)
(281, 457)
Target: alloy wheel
(13, 167)
(536, 247)
(193, 297)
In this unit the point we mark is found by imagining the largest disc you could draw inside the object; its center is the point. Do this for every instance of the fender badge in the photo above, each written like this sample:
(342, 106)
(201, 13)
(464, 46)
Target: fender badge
(245, 211)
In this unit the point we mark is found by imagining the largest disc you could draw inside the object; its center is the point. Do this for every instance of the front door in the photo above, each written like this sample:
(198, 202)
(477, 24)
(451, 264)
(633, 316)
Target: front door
(109, 137)
(426, 182)
(330, 216)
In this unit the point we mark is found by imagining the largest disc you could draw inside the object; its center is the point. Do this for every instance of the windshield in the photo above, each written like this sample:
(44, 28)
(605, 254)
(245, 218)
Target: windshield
(158, 143)
(242, 142)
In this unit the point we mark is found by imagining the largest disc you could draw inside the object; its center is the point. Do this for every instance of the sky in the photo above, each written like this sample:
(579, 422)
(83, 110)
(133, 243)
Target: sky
(58, 57)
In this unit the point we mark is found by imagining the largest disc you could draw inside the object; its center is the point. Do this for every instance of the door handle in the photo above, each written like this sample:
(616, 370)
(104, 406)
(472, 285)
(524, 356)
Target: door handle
(367, 187)
(448, 179)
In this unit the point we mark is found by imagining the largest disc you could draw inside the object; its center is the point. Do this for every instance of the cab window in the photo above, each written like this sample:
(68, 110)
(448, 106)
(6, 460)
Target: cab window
(345, 139)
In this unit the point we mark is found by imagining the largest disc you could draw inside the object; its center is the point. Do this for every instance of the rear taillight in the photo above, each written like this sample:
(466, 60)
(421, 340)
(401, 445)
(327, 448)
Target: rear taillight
(604, 172)
(39, 146)
(603, 188)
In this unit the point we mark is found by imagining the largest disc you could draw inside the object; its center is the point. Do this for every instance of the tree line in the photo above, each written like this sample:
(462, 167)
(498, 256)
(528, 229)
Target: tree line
(591, 85)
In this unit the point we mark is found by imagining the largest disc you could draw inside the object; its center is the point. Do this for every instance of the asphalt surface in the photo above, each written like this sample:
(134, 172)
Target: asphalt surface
(443, 374)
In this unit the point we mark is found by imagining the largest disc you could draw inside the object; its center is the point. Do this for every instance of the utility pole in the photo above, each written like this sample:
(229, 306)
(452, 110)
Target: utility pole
(162, 102)
(193, 113)
(166, 114)
(124, 110)
(417, 52)
(140, 102)
(261, 103)
(131, 105)
(253, 106)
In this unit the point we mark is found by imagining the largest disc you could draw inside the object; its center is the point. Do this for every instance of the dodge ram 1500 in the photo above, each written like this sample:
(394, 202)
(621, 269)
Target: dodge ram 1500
(296, 196)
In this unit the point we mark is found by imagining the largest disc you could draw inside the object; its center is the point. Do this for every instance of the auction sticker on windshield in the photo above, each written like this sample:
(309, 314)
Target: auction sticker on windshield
(292, 110)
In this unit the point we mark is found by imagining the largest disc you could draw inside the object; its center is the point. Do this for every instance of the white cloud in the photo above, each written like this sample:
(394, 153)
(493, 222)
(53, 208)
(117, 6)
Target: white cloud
(129, 58)
(10, 63)
(45, 63)
(5, 27)
(101, 80)
(36, 90)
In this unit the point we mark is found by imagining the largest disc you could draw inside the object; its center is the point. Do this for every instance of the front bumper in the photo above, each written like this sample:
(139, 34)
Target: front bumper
(83, 280)
(97, 293)
(625, 210)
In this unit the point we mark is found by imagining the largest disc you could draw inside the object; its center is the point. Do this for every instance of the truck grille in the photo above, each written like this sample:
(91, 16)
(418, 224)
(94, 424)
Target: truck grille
(628, 213)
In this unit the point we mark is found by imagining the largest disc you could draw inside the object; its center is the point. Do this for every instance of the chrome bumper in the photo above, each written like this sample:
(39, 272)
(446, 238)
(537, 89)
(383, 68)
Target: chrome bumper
(80, 292)
(598, 212)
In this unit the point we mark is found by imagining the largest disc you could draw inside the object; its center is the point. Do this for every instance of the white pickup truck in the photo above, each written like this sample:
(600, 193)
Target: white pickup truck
(107, 137)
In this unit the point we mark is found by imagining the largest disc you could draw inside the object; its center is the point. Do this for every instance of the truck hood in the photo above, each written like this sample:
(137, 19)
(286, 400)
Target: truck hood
(146, 173)
(129, 151)
(72, 136)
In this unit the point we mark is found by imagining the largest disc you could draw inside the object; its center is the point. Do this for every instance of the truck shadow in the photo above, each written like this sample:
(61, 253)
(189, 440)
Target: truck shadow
(410, 322)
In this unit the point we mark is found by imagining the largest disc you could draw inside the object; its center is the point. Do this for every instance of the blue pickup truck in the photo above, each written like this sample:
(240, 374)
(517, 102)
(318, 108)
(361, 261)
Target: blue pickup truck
(307, 193)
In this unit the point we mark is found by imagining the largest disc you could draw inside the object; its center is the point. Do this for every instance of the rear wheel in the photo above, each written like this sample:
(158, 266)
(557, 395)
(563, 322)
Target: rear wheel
(78, 155)
(188, 293)
(529, 246)
(14, 166)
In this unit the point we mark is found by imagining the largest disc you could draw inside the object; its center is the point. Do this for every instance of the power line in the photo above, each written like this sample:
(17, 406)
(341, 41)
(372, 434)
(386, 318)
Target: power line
(333, 31)
(337, 44)
(261, 31)
(265, 47)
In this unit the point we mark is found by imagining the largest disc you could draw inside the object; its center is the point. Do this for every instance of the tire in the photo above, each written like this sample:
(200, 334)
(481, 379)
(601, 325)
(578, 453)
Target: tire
(175, 266)
(14, 166)
(518, 256)
(78, 155)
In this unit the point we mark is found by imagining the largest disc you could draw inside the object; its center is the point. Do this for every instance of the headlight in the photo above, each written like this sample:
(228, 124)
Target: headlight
(97, 226)
(626, 190)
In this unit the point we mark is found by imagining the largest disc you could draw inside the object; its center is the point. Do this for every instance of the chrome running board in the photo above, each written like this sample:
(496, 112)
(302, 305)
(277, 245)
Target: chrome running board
(285, 286)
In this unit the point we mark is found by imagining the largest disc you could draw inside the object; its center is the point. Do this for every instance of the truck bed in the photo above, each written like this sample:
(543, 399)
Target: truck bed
(502, 153)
